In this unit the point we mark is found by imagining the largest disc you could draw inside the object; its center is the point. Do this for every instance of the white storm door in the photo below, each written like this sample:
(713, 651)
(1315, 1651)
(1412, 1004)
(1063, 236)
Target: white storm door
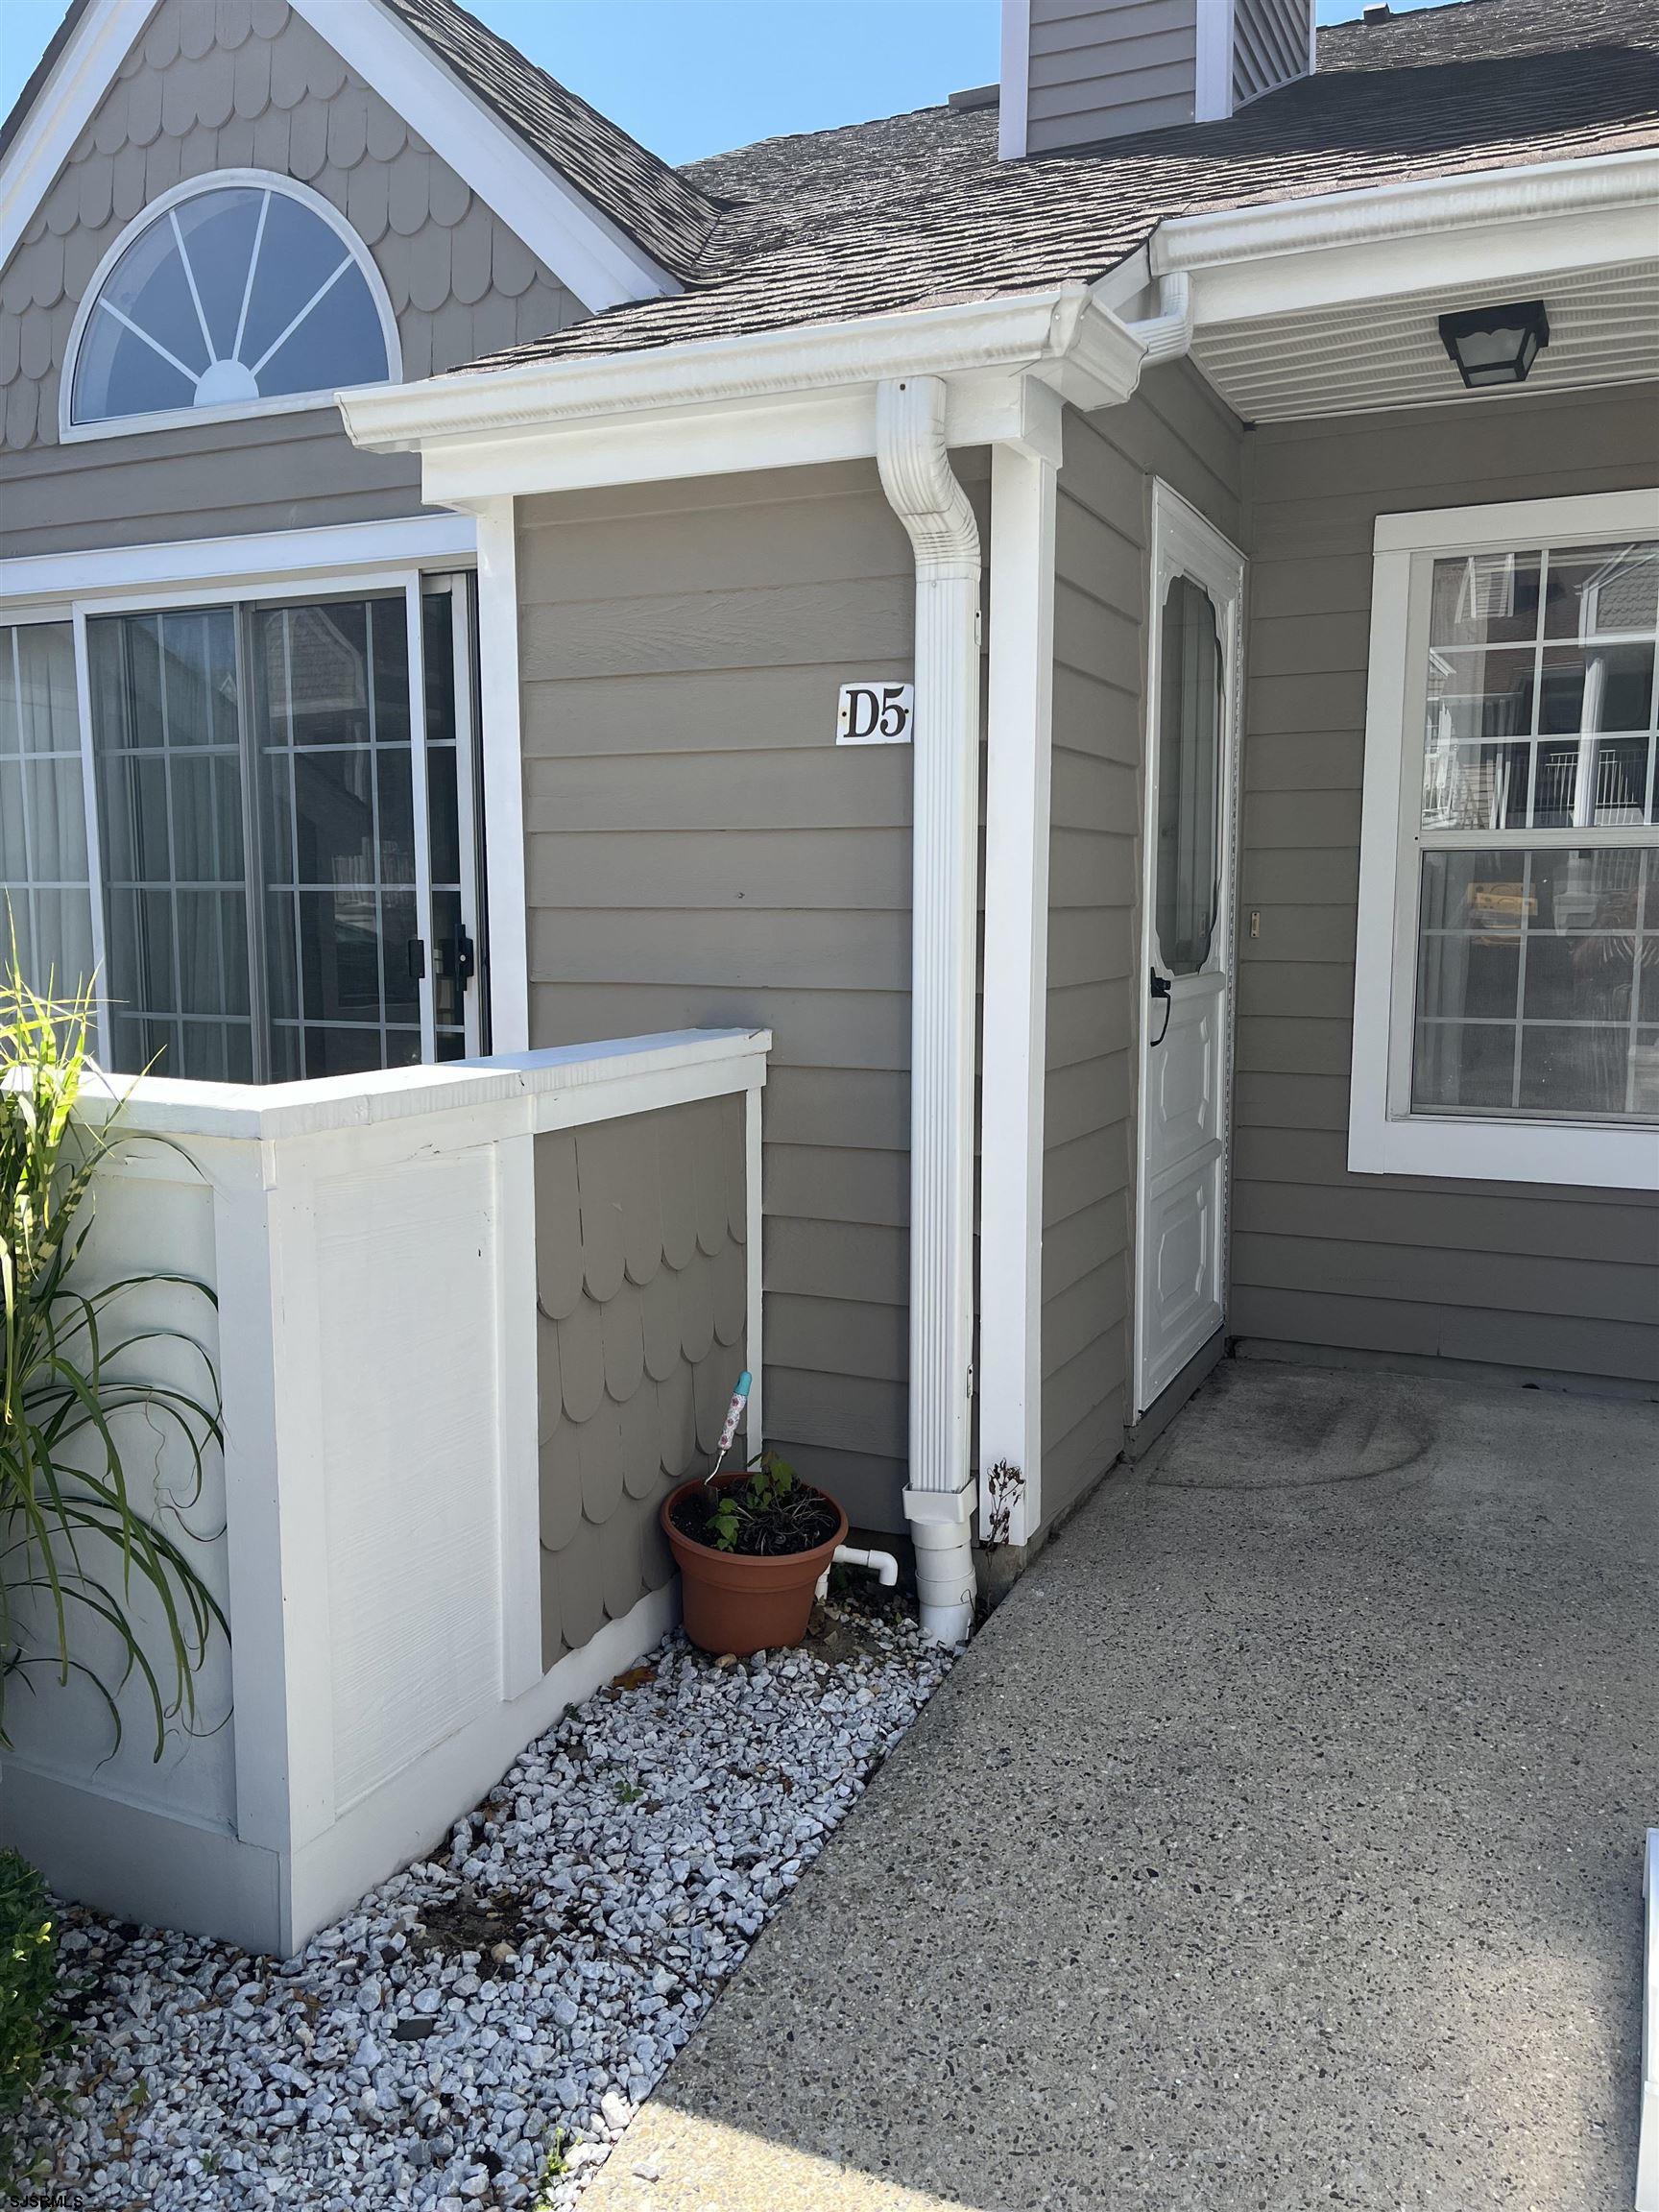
(1187, 966)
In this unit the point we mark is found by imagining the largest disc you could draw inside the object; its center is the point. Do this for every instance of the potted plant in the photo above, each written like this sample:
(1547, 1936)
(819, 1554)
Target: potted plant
(751, 1547)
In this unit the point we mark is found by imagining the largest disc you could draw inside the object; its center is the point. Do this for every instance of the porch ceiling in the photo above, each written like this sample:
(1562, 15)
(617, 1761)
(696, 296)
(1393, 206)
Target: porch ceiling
(1371, 354)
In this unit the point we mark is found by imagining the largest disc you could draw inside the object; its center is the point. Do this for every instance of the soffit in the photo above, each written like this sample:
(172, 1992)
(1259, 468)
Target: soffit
(1363, 357)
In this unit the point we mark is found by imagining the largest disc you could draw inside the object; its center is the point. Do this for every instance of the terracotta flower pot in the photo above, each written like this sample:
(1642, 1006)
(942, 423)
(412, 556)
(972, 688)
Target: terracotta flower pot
(742, 1604)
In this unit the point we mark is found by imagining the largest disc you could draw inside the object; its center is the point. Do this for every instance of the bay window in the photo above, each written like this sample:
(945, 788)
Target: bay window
(1506, 1020)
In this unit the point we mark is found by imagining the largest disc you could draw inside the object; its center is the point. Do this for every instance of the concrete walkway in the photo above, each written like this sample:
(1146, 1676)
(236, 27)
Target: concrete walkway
(1276, 1844)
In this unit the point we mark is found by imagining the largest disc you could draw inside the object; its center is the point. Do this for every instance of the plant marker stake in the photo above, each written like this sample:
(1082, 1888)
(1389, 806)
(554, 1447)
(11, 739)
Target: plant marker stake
(733, 1414)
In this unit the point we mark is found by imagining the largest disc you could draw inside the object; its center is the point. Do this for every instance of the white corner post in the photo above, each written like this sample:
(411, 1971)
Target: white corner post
(754, 1261)
(924, 495)
(1013, 107)
(501, 751)
(1018, 733)
(1213, 88)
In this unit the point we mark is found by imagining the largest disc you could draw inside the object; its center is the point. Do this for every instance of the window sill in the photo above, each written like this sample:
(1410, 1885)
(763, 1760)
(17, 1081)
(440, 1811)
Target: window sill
(1576, 1154)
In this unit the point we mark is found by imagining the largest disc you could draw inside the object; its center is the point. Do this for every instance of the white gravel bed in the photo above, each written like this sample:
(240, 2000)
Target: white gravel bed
(480, 2030)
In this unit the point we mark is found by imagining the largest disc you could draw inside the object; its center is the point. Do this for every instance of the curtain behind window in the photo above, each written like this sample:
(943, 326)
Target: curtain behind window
(45, 895)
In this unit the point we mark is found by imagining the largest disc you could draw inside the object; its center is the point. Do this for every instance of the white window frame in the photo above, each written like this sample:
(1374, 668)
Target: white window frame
(70, 432)
(1386, 1136)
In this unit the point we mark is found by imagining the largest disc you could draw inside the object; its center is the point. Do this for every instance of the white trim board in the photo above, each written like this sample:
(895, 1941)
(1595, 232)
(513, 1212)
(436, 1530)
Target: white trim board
(1014, 99)
(1384, 1137)
(64, 106)
(1212, 72)
(559, 1086)
(1411, 238)
(501, 760)
(1503, 523)
(277, 557)
(1013, 1077)
(583, 246)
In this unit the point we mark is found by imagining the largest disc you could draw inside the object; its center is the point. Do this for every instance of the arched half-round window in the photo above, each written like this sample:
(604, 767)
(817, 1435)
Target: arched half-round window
(235, 292)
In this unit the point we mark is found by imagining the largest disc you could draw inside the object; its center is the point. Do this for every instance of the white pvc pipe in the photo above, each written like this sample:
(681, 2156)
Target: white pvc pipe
(882, 1563)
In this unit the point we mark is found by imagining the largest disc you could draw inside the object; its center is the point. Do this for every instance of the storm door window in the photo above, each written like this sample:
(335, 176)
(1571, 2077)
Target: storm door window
(1188, 868)
(45, 892)
(265, 836)
(231, 295)
(1537, 966)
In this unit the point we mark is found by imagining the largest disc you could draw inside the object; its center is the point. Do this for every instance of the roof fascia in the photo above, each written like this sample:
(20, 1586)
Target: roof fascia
(781, 399)
(1327, 250)
(62, 107)
(982, 408)
(1006, 333)
(580, 245)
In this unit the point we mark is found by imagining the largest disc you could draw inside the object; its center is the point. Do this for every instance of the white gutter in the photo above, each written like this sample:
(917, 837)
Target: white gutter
(1059, 332)
(1066, 334)
(924, 495)
(1602, 184)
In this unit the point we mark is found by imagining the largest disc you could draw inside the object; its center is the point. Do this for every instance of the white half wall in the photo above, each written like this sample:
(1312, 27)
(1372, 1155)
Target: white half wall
(371, 1526)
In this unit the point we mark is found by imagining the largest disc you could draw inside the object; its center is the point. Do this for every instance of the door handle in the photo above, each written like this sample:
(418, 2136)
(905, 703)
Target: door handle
(1161, 987)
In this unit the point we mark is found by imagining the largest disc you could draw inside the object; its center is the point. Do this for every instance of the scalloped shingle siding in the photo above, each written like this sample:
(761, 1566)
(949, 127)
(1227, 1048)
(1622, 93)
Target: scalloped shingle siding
(642, 1281)
(247, 84)
(662, 210)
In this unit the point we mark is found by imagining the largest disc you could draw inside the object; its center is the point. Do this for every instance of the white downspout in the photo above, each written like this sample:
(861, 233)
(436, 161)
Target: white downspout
(924, 495)
(1167, 334)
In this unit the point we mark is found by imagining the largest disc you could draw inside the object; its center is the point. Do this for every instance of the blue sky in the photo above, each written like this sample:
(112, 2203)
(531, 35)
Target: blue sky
(695, 77)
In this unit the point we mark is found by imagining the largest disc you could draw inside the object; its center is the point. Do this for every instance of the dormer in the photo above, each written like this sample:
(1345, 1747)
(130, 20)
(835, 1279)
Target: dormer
(1075, 72)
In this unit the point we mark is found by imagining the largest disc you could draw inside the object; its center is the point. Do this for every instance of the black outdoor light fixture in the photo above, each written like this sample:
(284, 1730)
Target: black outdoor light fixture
(1496, 345)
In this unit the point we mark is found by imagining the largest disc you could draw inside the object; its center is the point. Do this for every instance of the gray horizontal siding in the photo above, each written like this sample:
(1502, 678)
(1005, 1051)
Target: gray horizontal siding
(1561, 1281)
(1175, 429)
(699, 852)
(272, 472)
(1098, 70)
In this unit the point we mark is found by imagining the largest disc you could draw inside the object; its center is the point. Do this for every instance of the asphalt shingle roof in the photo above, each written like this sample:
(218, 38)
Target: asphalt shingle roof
(917, 210)
(668, 213)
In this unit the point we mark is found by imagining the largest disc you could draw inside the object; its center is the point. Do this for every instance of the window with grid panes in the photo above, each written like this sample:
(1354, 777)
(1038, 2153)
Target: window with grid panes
(1537, 951)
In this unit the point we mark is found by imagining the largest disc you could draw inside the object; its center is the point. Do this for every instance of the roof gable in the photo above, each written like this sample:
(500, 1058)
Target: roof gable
(613, 222)
(208, 94)
(665, 213)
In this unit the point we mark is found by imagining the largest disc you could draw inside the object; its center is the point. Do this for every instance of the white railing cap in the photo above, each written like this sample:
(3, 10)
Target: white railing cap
(662, 1070)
